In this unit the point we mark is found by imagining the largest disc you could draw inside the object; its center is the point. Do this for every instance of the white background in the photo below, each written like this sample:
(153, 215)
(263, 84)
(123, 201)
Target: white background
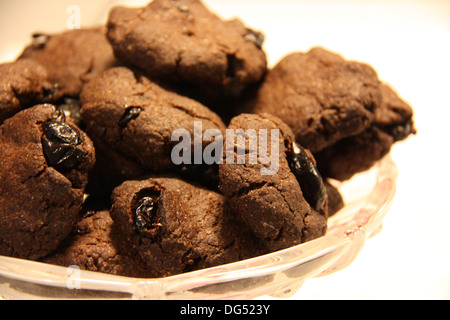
(408, 43)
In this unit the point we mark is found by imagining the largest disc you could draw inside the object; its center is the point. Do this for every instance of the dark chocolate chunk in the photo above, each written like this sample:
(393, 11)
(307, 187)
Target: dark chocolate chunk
(39, 40)
(71, 108)
(131, 113)
(308, 177)
(255, 37)
(145, 215)
(60, 144)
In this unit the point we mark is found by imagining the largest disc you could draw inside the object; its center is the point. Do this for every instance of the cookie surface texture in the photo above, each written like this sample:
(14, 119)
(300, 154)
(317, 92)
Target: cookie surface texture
(178, 227)
(23, 84)
(182, 41)
(44, 170)
(133, 115)
(321, 96)
(272, 205)
(71, 58)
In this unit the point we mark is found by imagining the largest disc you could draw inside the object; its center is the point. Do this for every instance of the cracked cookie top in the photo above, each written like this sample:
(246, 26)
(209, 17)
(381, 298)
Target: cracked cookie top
(393, 122)
(44, 170)
(136, 117)
(23, 84)
(92, 245)
(176, 226)
(282, 209)
(182, 41)
(71, 58)
(320, 95)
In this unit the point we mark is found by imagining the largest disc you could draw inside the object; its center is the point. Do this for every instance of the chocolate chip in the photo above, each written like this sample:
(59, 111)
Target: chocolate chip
(58, 116)
(40, 40)
(308, 177)
(257, 38)
(71, 108)
(145, 215)
(131, 113)
(60, 142)
(399, 132)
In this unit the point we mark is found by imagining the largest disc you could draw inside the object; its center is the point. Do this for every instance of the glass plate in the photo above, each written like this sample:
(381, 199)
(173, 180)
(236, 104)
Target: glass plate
(368, 197)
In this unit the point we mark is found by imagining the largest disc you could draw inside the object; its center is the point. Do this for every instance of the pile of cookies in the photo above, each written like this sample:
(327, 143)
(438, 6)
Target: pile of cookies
(87, 117)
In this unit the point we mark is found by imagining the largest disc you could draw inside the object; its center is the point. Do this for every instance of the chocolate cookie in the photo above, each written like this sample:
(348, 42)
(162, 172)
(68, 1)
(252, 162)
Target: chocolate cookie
(393, 122)
(177, 227)
(134, 116)
(182, 41)
(23, 84)
(321, 96)
(71, 58)
(92, 246)
(43, 173)
(282, 207)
